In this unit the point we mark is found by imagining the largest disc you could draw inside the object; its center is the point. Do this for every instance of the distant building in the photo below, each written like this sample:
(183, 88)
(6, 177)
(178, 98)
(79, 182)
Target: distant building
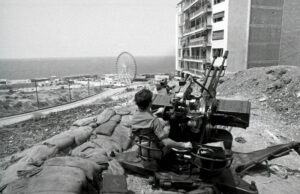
(160, 77)
(3, 81)
(20, 81)
(256, 33)
(140, 78)
(79, 77)
(41, 81)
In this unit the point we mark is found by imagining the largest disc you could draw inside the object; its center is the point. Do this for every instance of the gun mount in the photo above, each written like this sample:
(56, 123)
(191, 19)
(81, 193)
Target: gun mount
(210, 166)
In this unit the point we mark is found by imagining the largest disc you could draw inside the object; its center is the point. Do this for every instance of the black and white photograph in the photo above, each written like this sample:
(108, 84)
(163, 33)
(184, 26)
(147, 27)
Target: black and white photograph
(149, 97)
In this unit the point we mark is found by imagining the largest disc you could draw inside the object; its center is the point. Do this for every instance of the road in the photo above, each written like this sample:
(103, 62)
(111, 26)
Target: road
(26, 116)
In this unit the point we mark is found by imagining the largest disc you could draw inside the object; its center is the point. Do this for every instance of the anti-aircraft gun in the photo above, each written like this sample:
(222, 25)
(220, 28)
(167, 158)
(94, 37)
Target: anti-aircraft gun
(210, 166)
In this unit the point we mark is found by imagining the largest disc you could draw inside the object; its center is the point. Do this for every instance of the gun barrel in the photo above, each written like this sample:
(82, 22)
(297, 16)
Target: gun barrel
(207, 75)
(219, 69)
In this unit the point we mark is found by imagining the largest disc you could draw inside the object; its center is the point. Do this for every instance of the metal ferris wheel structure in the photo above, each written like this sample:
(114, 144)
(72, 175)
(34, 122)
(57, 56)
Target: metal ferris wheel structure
(126, 67)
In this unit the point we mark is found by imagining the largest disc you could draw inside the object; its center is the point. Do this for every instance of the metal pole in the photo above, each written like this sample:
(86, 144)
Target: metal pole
(88, 87)
(69, 91)
(37, 96)
(100, 84)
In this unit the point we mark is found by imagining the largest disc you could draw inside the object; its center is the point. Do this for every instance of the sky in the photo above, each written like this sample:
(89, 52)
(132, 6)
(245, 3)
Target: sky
(86, 28)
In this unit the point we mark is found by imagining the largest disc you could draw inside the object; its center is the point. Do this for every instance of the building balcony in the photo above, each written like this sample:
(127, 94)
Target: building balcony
(197, 72)
(188, 5)
(200, 11)
(201, 41)
(198, 43)
(193, 71)
(196, 29)
(201, 59)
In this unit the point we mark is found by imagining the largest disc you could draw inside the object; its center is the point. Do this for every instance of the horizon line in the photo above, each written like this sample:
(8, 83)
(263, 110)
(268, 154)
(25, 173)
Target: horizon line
(30, 58)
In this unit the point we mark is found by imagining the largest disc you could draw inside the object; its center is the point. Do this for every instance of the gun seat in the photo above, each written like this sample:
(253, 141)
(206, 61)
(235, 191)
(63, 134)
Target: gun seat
(149, 146)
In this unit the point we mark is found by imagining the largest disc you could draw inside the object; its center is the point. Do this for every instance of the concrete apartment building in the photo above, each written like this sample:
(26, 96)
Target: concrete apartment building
(256, 33)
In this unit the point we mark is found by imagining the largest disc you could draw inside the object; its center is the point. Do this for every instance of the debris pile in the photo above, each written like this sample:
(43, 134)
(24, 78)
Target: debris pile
(276, 87)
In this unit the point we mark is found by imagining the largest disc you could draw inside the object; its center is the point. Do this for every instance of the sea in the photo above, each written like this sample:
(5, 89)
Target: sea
(13, 69)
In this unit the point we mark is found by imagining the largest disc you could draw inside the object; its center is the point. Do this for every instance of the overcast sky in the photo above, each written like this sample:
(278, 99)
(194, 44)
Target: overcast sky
(80, 28)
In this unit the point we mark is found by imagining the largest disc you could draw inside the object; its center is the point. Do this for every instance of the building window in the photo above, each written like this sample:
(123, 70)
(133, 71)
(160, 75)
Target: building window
(218, 1)
(182, 65)
(218, 35)
(218, 52)
(218, 17)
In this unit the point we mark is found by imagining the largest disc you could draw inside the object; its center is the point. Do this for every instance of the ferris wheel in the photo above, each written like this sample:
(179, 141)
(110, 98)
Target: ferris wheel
(126, 67)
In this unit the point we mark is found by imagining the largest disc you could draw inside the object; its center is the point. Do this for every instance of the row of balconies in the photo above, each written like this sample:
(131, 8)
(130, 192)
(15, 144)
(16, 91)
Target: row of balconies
(197, 27)
(204, 9)
(195, 57)
(197, 41)
(188, 3)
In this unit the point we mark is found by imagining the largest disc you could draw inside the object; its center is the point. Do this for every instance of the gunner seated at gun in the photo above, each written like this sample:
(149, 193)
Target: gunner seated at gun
(144, 123)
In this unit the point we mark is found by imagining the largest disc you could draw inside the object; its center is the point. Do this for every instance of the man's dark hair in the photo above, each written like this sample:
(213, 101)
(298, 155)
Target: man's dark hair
(143, 98)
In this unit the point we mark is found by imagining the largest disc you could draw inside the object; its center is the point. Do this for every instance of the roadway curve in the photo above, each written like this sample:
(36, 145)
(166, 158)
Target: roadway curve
(26, 116)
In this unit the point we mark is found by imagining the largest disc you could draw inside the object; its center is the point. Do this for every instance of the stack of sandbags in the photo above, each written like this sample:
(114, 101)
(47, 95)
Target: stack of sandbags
(123, 110)
(105, 116)
(61, 141)
(112, 136)
(126, 120)
(63, 175)
(122, 135)
(107, 143)
(85, 121)
(93, 152)
(26, 161)
(74, 136)
(108, 127)
(80, 134)
(116, 124)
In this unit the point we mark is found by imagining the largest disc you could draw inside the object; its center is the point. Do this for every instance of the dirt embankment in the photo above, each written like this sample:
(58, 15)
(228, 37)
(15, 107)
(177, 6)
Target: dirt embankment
(276, 88)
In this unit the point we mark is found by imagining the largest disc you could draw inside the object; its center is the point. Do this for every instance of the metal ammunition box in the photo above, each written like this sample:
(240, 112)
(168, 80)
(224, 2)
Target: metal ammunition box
(236, 113)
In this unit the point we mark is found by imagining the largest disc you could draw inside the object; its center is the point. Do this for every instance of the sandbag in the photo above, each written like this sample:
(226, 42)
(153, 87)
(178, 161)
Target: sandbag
(122, 135)
(85, 121)
(99, 156)
(56, 180)
(116, 118)
(114, 168)
(108, 144)
(81, 134)
(106, 128)
(105, 116)
(123, 111)
(11, 173)
(61, 141)
(35, 156)
(39, 153)
(91, 151)
(59, 179)
(88, 167)
(18, 187)
(79, 150)
(126, 120)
